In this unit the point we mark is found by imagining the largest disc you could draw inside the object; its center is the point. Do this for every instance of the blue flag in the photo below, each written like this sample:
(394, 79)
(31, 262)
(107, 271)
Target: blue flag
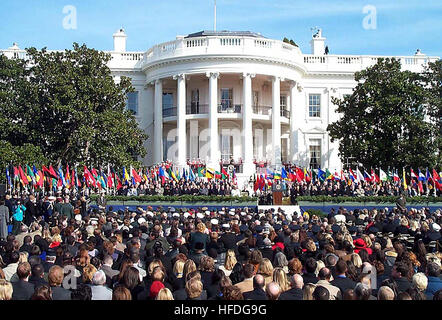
(8, 176)
(321, 174)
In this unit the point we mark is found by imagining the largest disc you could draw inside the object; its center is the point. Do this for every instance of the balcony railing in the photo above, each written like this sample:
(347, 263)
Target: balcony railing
(262, 110)
(285, 113)
(197, 108)
(224, 108)
(169, 111)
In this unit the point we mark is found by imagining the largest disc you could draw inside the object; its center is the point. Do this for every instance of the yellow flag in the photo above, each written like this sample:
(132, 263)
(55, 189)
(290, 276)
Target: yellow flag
(405, 181)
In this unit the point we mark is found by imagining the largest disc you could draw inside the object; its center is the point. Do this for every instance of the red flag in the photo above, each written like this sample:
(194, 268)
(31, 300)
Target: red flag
(136, 176)
(256, 185)
(292, 176)
(73, 182)
(50, 172)
(374, 176)
(88, 176)
(23, 176)
(119, 185)
(436, 180)
(299, 175)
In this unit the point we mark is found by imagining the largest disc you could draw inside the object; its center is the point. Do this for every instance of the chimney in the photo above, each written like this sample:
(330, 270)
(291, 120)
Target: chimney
(318, 43)
(120, 41)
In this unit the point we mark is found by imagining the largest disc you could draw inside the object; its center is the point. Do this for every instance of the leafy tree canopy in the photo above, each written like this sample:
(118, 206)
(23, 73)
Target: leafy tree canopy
(65, 108)
(393, 117)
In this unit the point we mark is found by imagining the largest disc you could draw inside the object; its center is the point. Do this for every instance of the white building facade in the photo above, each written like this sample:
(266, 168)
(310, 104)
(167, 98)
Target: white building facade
(238, 98)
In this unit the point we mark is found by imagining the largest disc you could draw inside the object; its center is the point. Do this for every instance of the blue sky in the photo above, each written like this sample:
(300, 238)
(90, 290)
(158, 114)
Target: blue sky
(402, 25)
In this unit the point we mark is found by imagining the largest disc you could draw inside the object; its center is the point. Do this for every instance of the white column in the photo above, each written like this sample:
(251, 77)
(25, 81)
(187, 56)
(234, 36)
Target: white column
(298, 154)
(181, 119)
(193, 130)
(214, 156)
(276, 122)
(158, 122)
(247, 133)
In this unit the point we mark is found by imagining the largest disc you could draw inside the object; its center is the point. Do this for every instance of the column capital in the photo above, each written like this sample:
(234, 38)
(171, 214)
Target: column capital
(214, 75)
(180, 76)
(157, 81)
(247, 74)
(276, 78)
(300, 87)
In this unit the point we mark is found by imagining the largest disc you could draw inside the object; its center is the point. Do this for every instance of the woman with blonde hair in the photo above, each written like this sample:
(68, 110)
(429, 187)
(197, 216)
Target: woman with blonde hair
(155, 263)
(280, 277)
(178, 268)
(5, 290)
(164, 294)
(307, 291)
(266, 270)
(88, 273)
(319, 265)
(199, 236)
(367, 240)
(356, 259)
(229, 263)
(23, 257)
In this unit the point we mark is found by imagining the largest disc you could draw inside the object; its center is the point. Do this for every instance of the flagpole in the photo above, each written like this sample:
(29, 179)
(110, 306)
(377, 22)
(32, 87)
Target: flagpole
(214, 23)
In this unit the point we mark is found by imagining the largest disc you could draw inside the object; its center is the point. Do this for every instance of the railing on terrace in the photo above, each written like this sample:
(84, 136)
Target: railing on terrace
(262, 110)
(197, 108)
(170, 112)
(285, 113)
(236, 108)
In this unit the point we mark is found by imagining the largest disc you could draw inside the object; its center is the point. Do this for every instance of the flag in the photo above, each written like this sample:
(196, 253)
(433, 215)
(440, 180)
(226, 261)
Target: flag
(307, 175)
(336, 176)
(437, 180)
(161, 175)
(68, 177)
(23, 178)
(191, 175)
(412, 174)
(210, 173)
(352, 176)
(284, 174)
(136, 176)
(321, 175)
(382, 175)
(184, 174)
(359, 175)
(427, 176)
(257, 184)
(119, 184)
(276, 175)
(269, 174)
(299, 175)
(367, 177)
(62, 181)
(374, 177)
(396, 176)
(201, 171)
(50, 172)
(328, 175)
(88, 177)
(126, 177)
(224, 173)
(77, 181)
(30, 175)
(292, 176)
(405, 180)
(421, 176)
(8, 177)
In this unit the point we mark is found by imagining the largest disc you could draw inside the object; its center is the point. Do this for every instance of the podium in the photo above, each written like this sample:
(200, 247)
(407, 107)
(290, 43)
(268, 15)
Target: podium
(277, 195)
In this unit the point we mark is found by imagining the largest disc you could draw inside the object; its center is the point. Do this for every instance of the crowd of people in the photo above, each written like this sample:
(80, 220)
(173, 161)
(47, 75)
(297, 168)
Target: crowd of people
(64, 249)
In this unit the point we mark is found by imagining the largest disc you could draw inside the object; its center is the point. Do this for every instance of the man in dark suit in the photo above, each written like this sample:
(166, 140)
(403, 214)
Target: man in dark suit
(37, 276)
(55, 277)
(108, 271)
(295, 293)
(22, 289)
(341, 281)
(258, 292)
(27, 244)
(310, 268)
(399, 275)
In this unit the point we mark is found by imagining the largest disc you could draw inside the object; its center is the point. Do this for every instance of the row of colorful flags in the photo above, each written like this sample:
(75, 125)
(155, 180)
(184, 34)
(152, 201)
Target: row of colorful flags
(105, 179)
(297, 174)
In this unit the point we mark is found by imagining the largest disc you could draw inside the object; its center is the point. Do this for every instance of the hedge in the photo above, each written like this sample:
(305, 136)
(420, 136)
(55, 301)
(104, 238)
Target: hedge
(190, 198)
(185, 198)
(377, 199)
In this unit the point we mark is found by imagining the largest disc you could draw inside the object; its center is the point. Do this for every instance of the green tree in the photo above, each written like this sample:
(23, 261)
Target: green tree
(69, 108)
(388, 120)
